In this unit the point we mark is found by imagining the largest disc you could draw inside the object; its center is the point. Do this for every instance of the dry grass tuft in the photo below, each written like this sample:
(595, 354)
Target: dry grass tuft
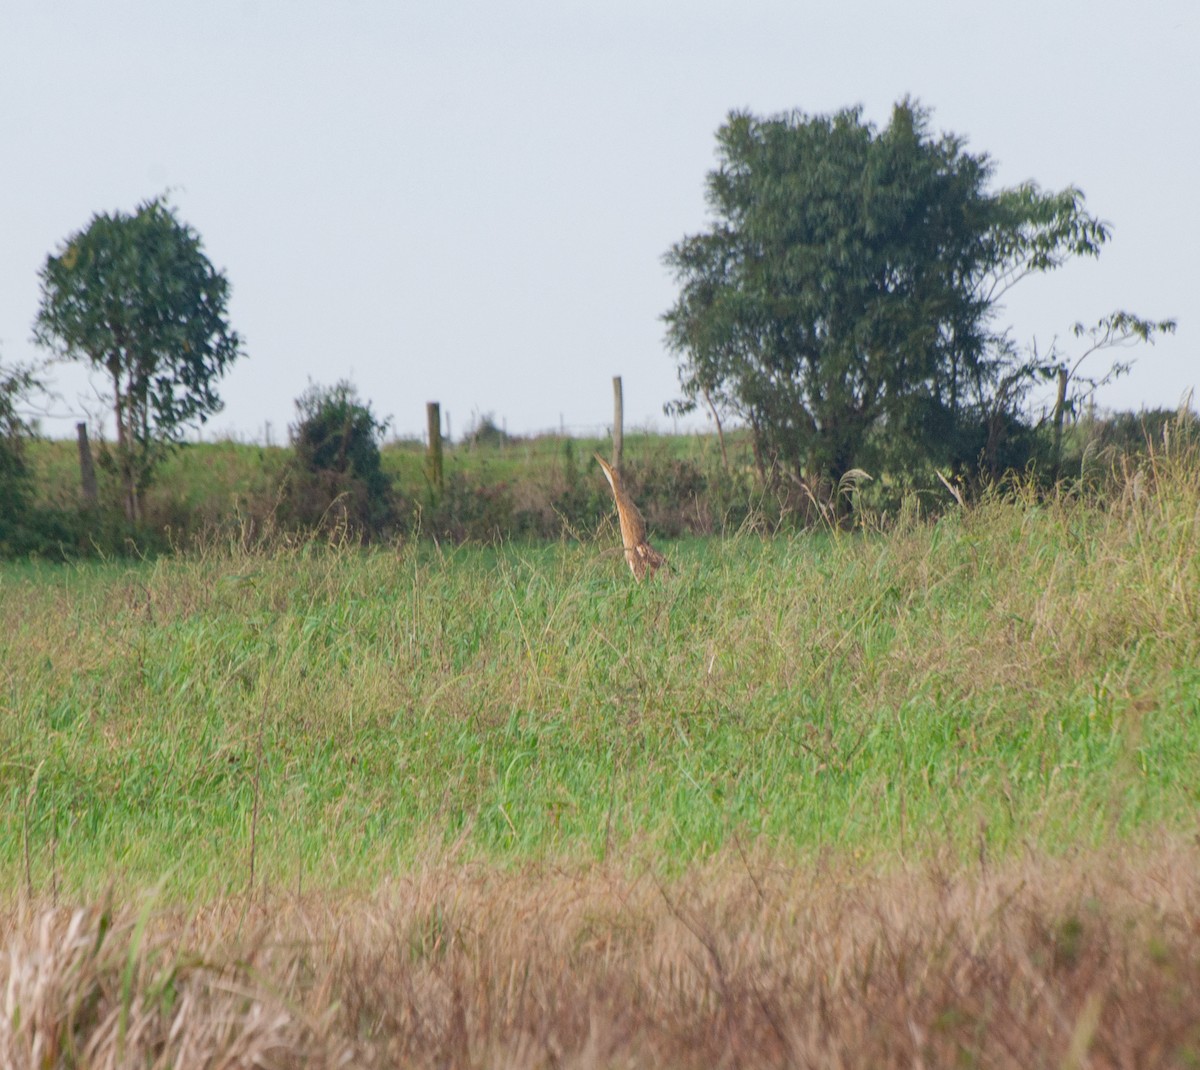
(1091, 961)
(83, 988)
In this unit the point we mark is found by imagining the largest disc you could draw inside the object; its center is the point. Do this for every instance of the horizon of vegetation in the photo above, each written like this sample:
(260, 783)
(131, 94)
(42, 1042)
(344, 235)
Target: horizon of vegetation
(495, 428)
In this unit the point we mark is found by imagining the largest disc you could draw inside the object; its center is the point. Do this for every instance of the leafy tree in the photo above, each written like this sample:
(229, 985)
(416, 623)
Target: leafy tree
(1116, 331)
(339, 473)
(136, 297)
(842, 301)
(26, 526)
(16, 480)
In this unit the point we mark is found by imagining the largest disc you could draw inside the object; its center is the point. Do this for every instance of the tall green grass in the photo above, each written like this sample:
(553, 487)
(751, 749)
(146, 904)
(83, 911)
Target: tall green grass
(1022, 673)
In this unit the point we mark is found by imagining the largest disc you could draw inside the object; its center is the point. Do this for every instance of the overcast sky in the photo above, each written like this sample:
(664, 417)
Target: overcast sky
(469, 202)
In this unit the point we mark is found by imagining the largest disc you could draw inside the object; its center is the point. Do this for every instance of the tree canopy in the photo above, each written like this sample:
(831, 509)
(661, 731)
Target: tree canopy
(137, 298)
(843, 301)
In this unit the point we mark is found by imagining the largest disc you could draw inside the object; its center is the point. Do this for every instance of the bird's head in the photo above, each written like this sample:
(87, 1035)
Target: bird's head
(609, 473)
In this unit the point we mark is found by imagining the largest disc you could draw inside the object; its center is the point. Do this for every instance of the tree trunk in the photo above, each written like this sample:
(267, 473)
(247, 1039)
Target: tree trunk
(1060, 405)
(121, 403)
(759, 460)
(720, 431)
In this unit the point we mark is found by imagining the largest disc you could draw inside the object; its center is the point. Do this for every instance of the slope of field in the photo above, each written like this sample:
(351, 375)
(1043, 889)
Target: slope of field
(1020, 673)
(1002, 704)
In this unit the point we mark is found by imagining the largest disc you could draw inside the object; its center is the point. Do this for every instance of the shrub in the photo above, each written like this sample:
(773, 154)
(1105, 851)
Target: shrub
(16, 481)
(485, 432)
(336, 480)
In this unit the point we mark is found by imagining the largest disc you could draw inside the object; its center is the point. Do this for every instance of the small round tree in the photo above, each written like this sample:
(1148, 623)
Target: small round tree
(337, 476)
(136, 297)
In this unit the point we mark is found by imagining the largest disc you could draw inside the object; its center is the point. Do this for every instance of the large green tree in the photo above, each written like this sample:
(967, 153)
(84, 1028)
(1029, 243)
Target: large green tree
(843, 300)
(137, 298)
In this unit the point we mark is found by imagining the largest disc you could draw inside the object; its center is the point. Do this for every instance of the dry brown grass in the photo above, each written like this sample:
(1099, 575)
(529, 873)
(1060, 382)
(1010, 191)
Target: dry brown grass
(1083, 962)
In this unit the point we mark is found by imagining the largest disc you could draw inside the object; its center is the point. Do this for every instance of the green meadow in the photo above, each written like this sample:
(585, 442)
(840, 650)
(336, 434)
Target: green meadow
(1021, 674)
(921, 792)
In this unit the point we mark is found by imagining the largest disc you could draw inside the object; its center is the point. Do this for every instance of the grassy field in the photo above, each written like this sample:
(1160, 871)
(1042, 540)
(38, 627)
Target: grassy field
(498, 490)
(923, 793)
(212, 477)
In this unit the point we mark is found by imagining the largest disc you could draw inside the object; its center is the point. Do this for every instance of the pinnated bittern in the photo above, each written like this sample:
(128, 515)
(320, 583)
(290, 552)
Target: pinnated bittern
(642, 557)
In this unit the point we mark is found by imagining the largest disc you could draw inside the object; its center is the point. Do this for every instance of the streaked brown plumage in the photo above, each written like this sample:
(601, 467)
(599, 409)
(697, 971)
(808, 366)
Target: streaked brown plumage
(642, 557)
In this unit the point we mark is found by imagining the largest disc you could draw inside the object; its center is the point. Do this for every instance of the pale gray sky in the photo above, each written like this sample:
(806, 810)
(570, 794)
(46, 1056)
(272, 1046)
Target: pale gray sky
(469, 201)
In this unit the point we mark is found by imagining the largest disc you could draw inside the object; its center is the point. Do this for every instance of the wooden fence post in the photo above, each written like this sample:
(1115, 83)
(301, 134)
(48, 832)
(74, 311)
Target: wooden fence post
(433, 452)
(87, 469)
(618, 432)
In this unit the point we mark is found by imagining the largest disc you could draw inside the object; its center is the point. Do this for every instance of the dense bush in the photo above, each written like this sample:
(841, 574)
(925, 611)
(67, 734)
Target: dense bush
(1133, 433)
(336, 480)
(28, 526)
(16, 481)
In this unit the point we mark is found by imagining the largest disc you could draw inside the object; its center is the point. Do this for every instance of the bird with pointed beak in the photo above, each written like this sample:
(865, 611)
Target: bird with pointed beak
(643, 559)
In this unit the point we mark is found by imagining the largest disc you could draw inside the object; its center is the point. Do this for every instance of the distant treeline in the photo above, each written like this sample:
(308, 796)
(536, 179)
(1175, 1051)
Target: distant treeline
(498, 487)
